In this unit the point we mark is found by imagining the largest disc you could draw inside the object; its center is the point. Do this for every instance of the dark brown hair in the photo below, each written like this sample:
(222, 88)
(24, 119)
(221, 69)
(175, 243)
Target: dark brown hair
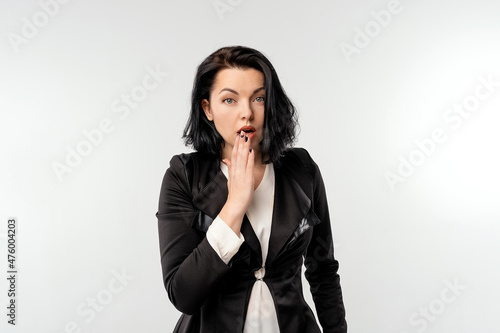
(280, 120)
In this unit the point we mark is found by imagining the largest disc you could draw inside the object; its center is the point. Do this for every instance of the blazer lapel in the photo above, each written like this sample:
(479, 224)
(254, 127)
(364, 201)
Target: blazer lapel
(291, 205)
(212, 197)
(210, 201)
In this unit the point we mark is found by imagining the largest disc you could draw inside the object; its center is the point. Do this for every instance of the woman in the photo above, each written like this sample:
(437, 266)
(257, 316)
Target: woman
(238, 217)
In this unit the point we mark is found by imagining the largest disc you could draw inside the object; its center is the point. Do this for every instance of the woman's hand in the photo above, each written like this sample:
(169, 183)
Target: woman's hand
(240, 183)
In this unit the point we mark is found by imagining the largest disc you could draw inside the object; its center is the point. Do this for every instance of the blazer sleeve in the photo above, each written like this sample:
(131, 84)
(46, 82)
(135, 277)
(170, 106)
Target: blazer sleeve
(321, 265)
(191, 267)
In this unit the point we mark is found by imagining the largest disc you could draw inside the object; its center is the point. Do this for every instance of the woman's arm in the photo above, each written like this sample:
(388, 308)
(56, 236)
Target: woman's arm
(191, 267)
(193, 262)
(321, 265)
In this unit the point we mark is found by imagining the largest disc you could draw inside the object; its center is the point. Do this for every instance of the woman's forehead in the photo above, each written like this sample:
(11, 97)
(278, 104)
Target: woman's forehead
(238, 79)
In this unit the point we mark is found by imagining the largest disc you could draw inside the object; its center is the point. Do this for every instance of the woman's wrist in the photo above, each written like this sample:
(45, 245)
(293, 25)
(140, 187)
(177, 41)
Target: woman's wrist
(232, 216)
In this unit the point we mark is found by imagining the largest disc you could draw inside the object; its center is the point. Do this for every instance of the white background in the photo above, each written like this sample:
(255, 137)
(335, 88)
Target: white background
(400, 248)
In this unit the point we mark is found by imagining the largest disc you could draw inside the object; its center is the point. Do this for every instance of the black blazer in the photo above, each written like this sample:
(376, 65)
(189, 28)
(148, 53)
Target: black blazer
(213, 296)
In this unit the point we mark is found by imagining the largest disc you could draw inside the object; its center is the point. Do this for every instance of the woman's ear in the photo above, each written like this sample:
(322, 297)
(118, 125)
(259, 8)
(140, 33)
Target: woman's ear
(205, 104)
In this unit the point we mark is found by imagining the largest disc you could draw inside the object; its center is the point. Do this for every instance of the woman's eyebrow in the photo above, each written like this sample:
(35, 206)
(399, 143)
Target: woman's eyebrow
(236, 93)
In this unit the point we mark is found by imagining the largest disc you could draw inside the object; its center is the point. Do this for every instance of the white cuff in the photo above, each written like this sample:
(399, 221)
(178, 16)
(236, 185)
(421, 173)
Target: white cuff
(223, 239)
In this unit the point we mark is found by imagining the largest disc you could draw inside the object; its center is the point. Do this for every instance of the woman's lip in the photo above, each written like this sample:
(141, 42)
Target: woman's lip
(246, 129)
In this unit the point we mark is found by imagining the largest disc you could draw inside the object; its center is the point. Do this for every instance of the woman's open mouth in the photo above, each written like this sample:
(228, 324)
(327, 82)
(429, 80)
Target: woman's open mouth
(249, 131)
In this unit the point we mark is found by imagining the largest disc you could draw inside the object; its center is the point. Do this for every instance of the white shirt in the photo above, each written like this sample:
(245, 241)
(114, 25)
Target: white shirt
(261, 314)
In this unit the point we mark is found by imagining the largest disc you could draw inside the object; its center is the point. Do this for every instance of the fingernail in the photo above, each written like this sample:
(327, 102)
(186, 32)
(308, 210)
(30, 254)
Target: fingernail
(242, 135)
(250, 149)
(246, 138)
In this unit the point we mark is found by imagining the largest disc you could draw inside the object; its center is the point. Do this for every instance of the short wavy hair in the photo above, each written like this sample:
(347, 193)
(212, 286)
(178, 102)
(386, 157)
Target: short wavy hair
(280, 120)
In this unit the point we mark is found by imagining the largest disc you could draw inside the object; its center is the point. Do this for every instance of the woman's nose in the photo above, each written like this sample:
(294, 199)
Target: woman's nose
(246, 111)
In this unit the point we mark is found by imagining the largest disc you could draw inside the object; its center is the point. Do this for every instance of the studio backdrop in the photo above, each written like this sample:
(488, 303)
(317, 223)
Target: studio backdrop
(399, 105)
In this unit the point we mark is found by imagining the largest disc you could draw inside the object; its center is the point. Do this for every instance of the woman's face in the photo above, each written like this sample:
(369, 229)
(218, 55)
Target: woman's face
(237, 103)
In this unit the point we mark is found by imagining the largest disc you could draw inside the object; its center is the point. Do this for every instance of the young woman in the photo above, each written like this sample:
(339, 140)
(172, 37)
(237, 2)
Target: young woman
(239, 217)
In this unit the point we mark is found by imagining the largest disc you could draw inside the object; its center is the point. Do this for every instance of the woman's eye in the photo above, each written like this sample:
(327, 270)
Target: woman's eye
(260, 99)
(228, 101)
